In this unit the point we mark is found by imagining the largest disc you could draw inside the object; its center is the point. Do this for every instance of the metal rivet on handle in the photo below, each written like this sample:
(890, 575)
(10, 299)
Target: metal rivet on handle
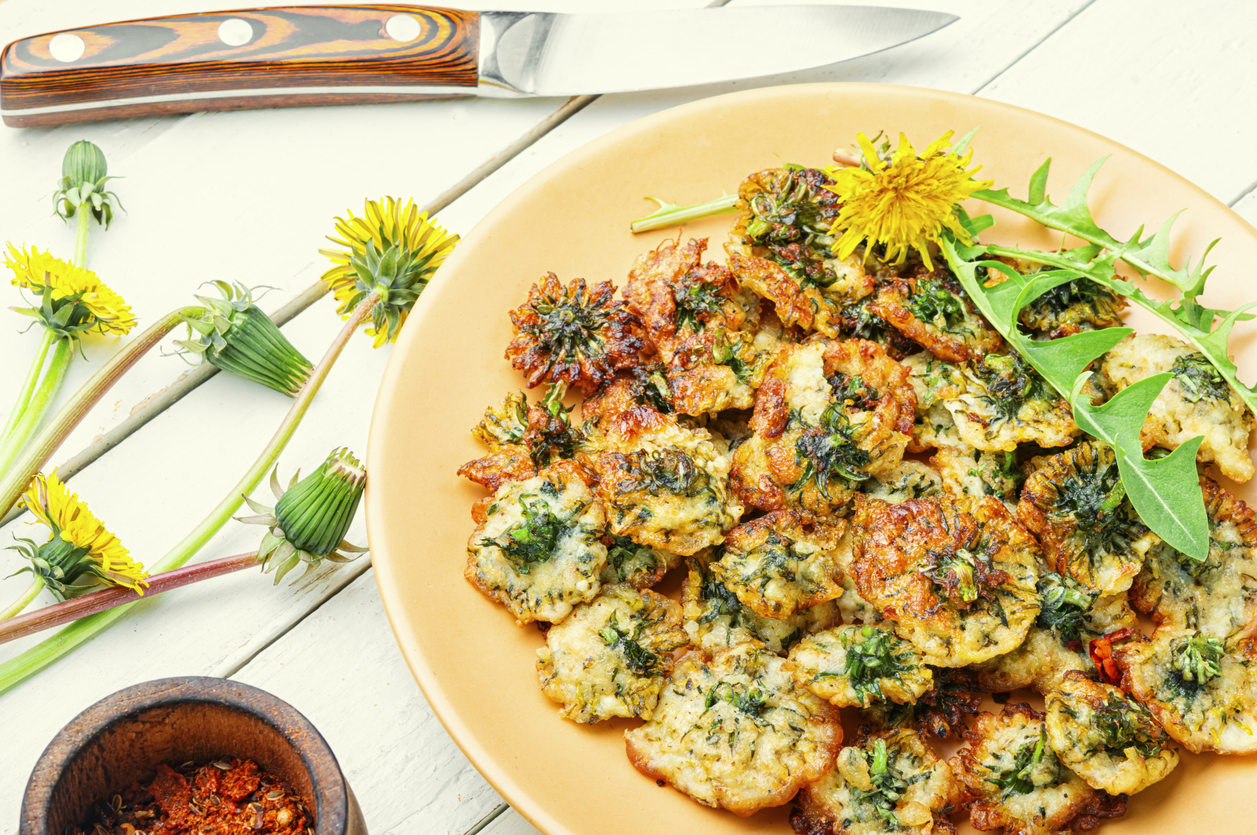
(67, 47)
(402, 27)
(235, 31)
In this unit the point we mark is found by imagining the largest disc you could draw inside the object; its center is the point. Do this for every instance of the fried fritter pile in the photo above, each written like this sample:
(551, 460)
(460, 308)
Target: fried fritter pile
(877, 509)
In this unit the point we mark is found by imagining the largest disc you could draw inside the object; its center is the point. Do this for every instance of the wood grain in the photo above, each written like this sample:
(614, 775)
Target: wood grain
(183, 60)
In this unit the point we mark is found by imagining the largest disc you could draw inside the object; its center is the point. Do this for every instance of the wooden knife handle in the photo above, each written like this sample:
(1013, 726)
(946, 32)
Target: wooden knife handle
(289, 56)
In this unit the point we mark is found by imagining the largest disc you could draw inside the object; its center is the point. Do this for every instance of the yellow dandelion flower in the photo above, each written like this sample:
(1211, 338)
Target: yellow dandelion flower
(904, 204)
(79, 545)
(393, 249)
(58, 284)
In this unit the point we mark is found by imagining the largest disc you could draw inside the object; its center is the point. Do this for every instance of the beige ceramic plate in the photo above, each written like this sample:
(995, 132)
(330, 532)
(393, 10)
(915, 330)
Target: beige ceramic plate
(474, 665)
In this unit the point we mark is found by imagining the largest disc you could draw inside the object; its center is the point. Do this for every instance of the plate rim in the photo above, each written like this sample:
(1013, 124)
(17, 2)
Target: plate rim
(391, 596)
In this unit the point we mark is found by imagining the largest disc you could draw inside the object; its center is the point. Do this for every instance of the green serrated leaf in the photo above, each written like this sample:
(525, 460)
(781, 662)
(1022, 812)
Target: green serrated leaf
(1165, 492)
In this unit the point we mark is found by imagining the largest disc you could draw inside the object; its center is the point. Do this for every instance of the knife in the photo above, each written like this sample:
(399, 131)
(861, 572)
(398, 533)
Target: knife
(306, 55)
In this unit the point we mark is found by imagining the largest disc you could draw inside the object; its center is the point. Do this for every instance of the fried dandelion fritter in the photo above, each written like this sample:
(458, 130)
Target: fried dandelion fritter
(828, 416)
(781, 249)
(889, 782)
(1217, 596)
(975, 472)
(1197, 401)
(736, 732)
(612, 656)
(573, 335)
(1069, 308)
(940, 712)
(1076, 505)
(1070, 617)
(1106, 737)
(956, 574)
(639, 566)
(538, 550)
(932, 309)
(910, 480)
(780, 564)
(1006, 403)
(663, 485)
(704, 326)
(716, 619)
(1203, 692)
(859, 665)
(1012, 778)
(522, 439)
(640, 385)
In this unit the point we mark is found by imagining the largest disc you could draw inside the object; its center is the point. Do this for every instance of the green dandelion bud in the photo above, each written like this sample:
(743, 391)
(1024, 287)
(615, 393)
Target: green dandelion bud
(233, 334)
(309, 520)
(84, 173)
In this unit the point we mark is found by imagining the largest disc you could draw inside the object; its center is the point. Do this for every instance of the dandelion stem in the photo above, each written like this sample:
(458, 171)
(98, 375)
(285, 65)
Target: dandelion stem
(38, 405)
(80, 240)
(110, 598)
(15, 479)
(674, 215)
(28, 388)
(36, 586)
(18, 669)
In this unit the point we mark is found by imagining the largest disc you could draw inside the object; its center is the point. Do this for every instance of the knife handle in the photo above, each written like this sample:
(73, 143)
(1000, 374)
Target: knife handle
(279, 57)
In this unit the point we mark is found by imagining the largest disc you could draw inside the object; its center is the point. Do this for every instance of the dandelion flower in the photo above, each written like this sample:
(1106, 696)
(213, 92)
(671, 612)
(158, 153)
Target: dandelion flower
(79, 546)
(392, 249)
(72, 299)
(906, 203)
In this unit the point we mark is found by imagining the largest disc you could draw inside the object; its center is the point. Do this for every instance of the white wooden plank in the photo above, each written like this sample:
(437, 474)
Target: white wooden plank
(1246, 207)
(1174, 81)
(243, 196)
(407, 773)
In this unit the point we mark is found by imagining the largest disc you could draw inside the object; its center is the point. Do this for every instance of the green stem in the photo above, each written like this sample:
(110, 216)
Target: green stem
(36, 586)
(18, 669)
(15, 480)
(28, 388)
(80, 240)
(674, 215)
(38, 406)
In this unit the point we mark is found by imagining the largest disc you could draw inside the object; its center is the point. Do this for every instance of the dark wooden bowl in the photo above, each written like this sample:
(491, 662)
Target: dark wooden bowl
(122, 739)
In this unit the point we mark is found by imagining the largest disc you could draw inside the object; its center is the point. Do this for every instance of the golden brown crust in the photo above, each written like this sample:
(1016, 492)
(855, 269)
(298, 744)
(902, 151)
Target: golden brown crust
(1107, 738)
(956, 574)
(931, 309)
(828, 415)
(1065, 504)
(572, 335)
(663, 485)
(781, 563)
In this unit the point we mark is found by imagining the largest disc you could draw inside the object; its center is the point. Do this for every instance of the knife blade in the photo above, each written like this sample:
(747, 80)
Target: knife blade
(307, 55)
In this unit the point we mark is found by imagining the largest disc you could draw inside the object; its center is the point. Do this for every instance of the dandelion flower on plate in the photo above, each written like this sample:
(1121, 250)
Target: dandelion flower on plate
(906, 203)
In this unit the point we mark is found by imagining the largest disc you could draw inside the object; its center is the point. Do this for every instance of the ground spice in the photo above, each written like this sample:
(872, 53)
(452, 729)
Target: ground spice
(218, 798)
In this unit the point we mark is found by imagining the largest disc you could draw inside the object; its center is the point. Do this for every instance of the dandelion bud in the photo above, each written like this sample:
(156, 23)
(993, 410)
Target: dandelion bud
(84, 173)
(310, 518)
(233, 334)
(84, 163)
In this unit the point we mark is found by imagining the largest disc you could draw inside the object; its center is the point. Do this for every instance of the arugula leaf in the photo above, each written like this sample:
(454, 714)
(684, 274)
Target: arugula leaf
(1164, 492)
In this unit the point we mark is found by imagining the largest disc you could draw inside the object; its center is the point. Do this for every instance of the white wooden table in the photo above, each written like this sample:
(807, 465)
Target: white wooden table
(249, 196)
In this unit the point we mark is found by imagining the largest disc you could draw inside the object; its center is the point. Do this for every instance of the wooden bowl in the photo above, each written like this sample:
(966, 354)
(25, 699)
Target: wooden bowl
(122, 739)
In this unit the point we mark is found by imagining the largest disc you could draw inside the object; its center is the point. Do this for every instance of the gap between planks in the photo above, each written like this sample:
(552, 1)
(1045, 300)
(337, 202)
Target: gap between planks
(1033, 47)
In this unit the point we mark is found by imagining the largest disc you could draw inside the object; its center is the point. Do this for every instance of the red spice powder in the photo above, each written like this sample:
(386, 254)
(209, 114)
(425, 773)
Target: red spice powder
(219, 798)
